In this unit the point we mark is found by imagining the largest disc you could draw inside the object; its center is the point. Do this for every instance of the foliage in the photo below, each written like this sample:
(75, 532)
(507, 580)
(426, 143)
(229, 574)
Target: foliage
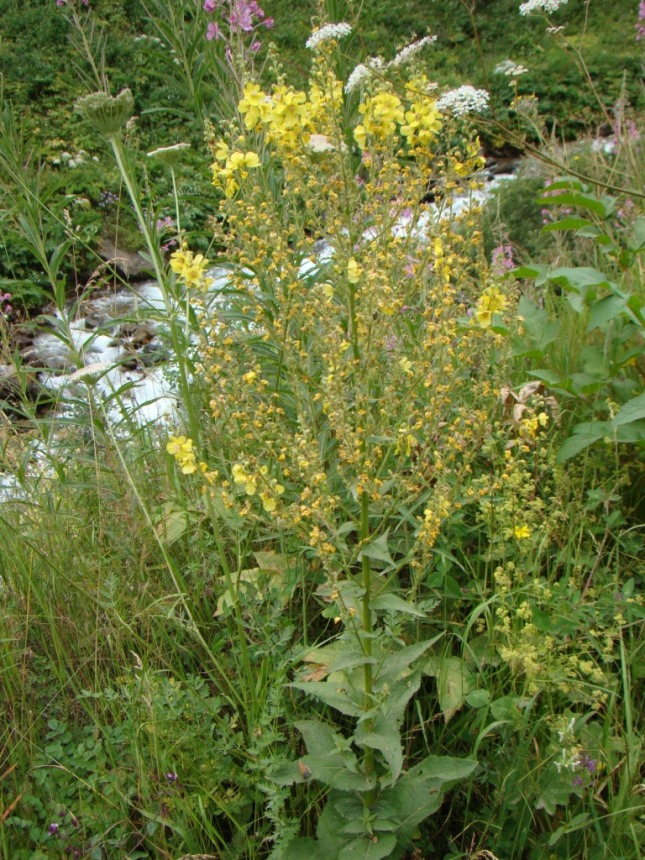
(374, 594)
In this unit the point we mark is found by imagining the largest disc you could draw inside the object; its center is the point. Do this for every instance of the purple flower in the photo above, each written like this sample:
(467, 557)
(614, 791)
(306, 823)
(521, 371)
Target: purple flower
(640, 25)
(213, 32)
(172, 777)
(209, 5)
(53, 827)
(502, 259)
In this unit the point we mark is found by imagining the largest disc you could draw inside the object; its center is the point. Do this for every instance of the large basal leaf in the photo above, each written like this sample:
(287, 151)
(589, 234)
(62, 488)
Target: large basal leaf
(302, 848)
(366, 848)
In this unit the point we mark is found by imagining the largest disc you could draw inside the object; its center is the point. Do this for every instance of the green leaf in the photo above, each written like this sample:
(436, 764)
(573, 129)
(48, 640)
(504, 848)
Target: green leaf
(302, 848)
(575, 198)
(366, 848)
(478, 698)
(633, 410)
(338, 770)
(331, 695)
(377, 550)
(537, 324)
(604, 310)
(392, 666)
(392, 603)
(571, 222)
(388, 742)
(454, 681)
(319, 737)
(583, 436)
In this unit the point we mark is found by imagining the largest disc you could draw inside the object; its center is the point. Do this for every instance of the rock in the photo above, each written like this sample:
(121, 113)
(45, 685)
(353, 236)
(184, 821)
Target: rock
(130, 263)
(15, 384)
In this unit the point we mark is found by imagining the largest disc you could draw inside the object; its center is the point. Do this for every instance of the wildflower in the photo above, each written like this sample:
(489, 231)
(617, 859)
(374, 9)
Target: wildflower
(521, 532)
(492, 301)
(353, 271)
(53, 829)
(189, 268)
(107, 113)
(545, 5)
(380, 114)
(240, 477)
(409, 51)
(328, 33)
(169, 155)
(172, 777)
(501, 260)
(253, 105)
(213, 31)
(463, 100)
(181, 449)
(362, 73)
(640, 24)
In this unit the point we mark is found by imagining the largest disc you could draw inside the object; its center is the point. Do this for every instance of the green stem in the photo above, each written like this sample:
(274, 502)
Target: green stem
(368, 760)
(160, 273)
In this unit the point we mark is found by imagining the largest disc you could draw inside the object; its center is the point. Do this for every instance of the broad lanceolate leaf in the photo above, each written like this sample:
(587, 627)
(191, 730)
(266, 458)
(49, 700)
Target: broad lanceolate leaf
(394, 664)
(388, 742)
(392, 603)
(633, 410)
(338, 698)
(454, 681)
(583, 436)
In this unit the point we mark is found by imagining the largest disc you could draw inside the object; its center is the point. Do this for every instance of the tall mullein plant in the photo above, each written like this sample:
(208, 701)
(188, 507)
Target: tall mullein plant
(350, 394)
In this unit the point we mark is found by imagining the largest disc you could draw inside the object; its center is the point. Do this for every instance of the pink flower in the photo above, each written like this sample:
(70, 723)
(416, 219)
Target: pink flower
(209, 5)
(213, 32)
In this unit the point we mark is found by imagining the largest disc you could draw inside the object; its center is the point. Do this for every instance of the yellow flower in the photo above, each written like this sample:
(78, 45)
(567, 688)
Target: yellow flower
(253, 106)
(181, 449)
(492, 301)
(522, 532)
(406, 366)
(240, 477)
(353, 271)
(189, 268)
(380, 113)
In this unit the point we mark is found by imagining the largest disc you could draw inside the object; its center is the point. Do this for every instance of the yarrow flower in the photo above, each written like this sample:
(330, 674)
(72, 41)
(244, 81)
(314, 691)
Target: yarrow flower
(363, 72)
(463, 100)
(169, 155)
(544, 5)
(107, 113)
(328, 33)
(409, 51)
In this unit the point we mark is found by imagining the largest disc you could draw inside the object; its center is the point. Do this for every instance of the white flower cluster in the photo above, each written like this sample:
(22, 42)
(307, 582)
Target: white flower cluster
(363, 72)
(326, 34)
(409, 51)
(544, 5)
(462, 101)
(510, 69)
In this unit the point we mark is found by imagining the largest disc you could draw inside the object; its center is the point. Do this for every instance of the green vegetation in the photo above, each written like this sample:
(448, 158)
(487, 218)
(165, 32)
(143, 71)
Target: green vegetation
(376, 588)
